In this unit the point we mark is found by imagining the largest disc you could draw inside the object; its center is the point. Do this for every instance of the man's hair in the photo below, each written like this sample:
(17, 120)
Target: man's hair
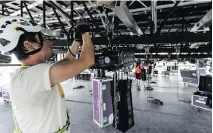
(20, 51)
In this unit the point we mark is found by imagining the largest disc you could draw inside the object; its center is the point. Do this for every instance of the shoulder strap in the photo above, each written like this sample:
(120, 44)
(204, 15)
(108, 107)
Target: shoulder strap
(24, 67)
(16, 129)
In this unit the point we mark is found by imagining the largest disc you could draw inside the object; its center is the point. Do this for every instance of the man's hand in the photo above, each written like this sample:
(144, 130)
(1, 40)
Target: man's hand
(82, 27)
(78, 36)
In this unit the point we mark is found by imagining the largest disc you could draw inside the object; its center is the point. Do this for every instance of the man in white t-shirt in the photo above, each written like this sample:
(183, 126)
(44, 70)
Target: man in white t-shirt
(37, 97)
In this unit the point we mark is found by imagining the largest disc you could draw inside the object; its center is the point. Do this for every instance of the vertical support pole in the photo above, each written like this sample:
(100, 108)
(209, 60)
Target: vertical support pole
(2, 7)
(154, 15)
(44, 14)
(21, 8)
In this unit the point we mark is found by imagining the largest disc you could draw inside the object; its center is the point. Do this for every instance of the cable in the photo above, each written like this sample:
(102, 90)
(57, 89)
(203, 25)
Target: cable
(113, 18)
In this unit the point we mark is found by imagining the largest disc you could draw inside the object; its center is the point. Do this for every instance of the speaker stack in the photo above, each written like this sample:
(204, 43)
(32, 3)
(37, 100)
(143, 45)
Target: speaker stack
(125, 106)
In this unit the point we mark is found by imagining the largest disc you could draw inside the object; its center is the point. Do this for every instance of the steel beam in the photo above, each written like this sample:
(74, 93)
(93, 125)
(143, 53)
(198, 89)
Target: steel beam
(182, 50)
(168, 50)
(5, 1)
(131, 10)
(174, 1)
(156, 49)
(21, 3)
(60, 10)
(144, 24)
(142, 3)
(16, 7)
(148, 39)
(194, 56)
(126, 17)
(91, 17)
(66, 19)
(62, 26)
(171, 27)
(7, 10)
(2, 8)
(169, 15)
(206, 21)
(159, 19)
(154, 15)
(171, 38)
(162, 15)
(181, 27)
(13, 6)
(8, 13)
(28, 11)
(44, 14)
(38, 2)
(131, 3)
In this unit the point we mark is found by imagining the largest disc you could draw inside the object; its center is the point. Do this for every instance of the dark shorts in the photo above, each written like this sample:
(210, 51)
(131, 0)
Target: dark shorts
(138, 76)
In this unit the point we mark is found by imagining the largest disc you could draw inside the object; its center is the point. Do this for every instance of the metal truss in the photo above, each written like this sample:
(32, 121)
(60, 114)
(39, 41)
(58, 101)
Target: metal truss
(158, 22)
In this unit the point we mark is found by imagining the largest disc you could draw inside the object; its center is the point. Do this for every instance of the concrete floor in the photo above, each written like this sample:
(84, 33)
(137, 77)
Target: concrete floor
(173, 117)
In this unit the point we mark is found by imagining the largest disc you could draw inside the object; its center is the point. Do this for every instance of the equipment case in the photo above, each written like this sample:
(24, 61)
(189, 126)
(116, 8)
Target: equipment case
(102, 102)
(190, 76)
(202, 100)
(0, 93)
(5, 95)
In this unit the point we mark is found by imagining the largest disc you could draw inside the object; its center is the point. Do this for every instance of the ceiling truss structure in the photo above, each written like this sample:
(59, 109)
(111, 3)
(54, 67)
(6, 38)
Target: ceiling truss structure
(161, 22)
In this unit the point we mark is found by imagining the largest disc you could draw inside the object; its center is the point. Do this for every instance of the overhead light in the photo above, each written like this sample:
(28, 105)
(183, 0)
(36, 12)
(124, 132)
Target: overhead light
(139, 46)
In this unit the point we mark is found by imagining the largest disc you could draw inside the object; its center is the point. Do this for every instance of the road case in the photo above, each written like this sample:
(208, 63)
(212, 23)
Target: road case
(202, 100)
(102, 102)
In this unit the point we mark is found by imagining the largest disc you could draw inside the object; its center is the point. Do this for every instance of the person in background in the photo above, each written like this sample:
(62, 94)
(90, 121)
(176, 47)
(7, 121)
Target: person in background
(154, 65)
(137, 68)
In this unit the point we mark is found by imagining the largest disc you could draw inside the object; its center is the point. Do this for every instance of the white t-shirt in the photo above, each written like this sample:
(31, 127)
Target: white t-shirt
(37, 107)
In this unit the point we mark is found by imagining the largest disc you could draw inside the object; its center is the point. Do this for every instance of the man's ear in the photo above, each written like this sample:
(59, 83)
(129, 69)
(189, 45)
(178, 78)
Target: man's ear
(29, 46)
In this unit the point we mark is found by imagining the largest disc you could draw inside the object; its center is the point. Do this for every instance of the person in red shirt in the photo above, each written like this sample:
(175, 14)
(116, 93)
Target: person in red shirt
(138, 67)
